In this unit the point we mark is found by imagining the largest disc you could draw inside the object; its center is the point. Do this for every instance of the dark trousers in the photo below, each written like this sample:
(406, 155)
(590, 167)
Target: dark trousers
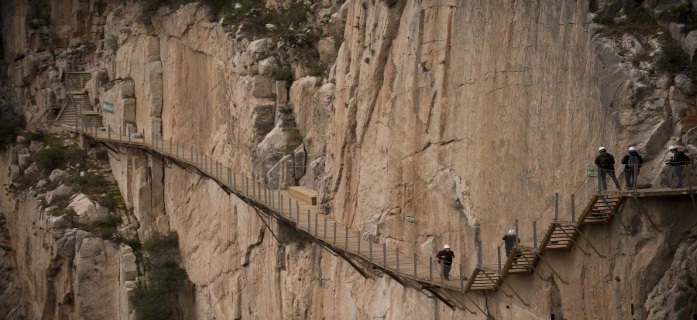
(629, 177)
(446, 270)
(611, 173)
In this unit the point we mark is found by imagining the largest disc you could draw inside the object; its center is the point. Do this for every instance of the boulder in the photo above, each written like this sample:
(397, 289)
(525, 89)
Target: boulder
(32, 170)
(61, 191)
(23, 159)
(15, 171)
(35, 146)
(685, 85)
(87, 210)
(22, 140)
(263, 87)
(58, 175)
(42, 183)
(268, 66)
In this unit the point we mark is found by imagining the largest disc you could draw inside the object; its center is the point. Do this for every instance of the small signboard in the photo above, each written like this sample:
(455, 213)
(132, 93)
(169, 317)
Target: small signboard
(593, 173)
(108, 107)
(411, 219)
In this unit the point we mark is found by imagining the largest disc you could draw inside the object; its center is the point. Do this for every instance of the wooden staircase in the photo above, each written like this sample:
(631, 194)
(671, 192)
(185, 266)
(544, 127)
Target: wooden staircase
(522, 259)
(79, 108)
(600, 209)
(483, 279)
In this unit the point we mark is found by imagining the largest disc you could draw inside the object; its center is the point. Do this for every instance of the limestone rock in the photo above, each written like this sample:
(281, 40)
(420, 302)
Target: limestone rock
(23, 158)
(268, 66)
(21, 140)
(42, 183)
(263, 120)
(61, 191)
(87, 210)
(685, 84)
(263, 87)
(35, 146)
(58, 175)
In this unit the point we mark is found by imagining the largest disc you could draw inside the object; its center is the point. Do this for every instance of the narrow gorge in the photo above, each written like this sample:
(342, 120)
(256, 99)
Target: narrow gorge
(415, 123)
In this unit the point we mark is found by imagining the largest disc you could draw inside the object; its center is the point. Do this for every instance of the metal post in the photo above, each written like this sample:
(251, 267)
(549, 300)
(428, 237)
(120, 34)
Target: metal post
(177, 151)
(228, 178)
(297, 211)
(534, 234)
(335, 233)
(635, 174)
(430, 268)
(316, 222)
(325, 228)
(573, 209)
(170, 146)
(280, 202)
(120, 132)
(290, 211)
(600, 175)
(462, 278)
(499, 253)
(191, 151)
(108, 130)
(234, 181)
(397, 260)
(246, 186)
(516, 229)
(384, 255)
(556, 207)
(370, 251)
(415, 275)
(360, 236)
(346, 245)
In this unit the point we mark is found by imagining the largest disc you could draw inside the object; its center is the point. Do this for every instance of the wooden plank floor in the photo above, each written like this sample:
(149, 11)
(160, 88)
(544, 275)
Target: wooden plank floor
(304, 217)
(654, 192)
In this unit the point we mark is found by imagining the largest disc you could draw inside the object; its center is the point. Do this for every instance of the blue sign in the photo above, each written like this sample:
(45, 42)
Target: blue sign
(108, 107)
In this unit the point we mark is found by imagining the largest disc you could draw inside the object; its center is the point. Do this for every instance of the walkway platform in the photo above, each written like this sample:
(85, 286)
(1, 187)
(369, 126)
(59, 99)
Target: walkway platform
(658, 192)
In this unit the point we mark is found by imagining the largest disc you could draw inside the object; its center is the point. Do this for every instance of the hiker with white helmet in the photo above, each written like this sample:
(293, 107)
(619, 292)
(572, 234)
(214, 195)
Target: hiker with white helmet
(606, 164)
(631, 160)
(677, 161)
(445, 259)
(510, 240)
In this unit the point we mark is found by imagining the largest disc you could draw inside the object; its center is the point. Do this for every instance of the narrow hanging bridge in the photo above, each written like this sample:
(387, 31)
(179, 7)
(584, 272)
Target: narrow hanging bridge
(362, 253)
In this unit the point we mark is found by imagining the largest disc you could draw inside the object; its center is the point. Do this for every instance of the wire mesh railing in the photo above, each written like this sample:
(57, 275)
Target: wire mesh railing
(304, 217)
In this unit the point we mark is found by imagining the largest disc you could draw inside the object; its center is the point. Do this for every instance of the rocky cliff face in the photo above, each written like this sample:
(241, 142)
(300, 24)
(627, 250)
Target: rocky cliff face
(463, 115)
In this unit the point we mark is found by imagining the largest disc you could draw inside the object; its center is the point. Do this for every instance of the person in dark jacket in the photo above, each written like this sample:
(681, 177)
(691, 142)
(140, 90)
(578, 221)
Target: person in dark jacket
(677, 161)
(631, 160)
(510, 240)
(445, 259)
(606, 164)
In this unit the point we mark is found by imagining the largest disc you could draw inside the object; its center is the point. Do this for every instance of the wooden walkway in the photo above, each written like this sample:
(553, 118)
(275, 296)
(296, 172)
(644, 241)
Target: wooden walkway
(409, 270)
(321, 228)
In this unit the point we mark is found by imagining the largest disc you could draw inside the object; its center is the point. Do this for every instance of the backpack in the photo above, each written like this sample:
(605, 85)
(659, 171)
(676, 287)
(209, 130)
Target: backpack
(633, 160)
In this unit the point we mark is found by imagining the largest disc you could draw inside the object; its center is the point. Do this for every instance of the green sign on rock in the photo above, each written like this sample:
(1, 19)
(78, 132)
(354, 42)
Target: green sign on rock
(108, 107)
(411, 219)
(592, 173)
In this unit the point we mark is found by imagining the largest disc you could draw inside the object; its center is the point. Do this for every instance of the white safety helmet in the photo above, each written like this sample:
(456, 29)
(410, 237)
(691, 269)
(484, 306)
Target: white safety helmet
(672, 148)
(601, 149)
(446, 247)
(511, 232)
(632, 149)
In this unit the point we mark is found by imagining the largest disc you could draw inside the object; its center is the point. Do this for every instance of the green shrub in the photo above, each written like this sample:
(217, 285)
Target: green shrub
(10, 125)
(102, 155)
(91, 183)
(58, 157)
(156, 298)
(604, 20)
(133, 243)
(674, 59)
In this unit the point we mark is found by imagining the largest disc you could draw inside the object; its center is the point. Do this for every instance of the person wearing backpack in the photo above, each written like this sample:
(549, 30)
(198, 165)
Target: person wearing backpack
(677, 161)
(629, 161)
(606, 164)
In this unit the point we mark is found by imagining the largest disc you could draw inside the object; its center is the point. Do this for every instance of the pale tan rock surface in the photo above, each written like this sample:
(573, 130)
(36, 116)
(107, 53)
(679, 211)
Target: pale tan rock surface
(466, 115)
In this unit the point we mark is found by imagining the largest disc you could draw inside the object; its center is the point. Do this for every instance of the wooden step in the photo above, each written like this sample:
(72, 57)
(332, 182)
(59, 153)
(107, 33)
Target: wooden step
(303, 194)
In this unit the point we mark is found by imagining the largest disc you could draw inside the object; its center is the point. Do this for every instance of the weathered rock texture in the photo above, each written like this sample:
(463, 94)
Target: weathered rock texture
(466, 115)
